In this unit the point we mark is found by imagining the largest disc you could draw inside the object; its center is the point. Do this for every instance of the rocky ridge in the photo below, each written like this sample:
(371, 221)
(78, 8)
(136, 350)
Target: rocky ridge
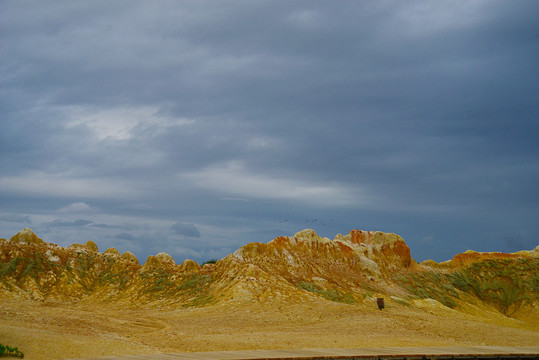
(355, 268)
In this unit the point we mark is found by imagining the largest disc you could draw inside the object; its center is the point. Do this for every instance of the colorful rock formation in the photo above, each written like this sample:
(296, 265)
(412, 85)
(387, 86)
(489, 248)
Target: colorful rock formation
(355, 268)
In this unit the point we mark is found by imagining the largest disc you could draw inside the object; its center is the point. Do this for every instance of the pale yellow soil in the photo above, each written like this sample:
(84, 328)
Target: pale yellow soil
(55, 331)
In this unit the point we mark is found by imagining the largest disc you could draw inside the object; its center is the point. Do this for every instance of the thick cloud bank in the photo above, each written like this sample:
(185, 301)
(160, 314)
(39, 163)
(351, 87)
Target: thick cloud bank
(194, 127)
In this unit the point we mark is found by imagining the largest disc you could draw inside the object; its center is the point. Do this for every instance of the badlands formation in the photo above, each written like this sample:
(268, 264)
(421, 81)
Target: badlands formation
(301, 291)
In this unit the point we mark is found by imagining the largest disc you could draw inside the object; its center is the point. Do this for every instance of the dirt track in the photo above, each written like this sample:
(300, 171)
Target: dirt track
(52, 331)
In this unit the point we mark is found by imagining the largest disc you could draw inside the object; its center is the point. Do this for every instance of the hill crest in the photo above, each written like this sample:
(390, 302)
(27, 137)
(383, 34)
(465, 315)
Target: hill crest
(355, 268)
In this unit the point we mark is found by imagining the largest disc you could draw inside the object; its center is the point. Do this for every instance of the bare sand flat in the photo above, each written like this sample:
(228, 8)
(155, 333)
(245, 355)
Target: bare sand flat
(56, 331)
(436, 352)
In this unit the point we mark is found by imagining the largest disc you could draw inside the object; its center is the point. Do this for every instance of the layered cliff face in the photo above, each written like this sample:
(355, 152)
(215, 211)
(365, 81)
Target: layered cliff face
(354, 268)
(348, 268)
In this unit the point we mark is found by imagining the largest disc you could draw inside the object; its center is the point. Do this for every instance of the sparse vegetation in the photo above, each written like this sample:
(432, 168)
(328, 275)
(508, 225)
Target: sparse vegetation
(505, 284)
(161, 280)
(197, 285)
(7, 269)
(428, 284)
(194, 282)
(369, 290)
(194, 287)
(200, 301)
(8, 351)
(329, 294)
(119, 279)
(402, 302)
(21, 267)
(84, 263)
(212, 261)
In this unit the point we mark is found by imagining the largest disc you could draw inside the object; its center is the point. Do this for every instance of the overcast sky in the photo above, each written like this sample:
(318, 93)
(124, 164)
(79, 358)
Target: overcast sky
(195, 127)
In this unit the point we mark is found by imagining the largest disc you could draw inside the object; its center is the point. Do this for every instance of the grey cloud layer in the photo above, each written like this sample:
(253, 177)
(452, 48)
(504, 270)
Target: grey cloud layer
(188, 230)
(413, 117)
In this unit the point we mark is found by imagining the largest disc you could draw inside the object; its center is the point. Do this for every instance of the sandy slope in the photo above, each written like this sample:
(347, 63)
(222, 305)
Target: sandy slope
(52, 331)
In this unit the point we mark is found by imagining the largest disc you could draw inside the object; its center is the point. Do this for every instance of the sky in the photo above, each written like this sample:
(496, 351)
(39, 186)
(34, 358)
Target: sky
(196, 127)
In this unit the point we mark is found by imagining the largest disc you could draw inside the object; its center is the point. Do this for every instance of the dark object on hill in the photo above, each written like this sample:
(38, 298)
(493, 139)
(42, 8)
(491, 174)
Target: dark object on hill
(380, 302)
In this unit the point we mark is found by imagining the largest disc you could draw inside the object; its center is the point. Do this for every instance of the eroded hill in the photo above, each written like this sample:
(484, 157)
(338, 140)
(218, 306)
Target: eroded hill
(353, 269)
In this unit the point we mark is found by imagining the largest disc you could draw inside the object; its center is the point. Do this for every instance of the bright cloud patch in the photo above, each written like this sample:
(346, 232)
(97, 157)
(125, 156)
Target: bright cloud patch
(119, 123)
(77, 207)
(235, 179)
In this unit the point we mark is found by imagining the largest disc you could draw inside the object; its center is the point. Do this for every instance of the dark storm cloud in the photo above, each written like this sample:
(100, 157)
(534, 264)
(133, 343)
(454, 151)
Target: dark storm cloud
(16, 218)
(413, 117)
(188, 230)
(107, 226)
(75, 223)
(125, 236)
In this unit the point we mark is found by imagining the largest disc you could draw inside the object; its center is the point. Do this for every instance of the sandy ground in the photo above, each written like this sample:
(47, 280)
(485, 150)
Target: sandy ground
(56, 331)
